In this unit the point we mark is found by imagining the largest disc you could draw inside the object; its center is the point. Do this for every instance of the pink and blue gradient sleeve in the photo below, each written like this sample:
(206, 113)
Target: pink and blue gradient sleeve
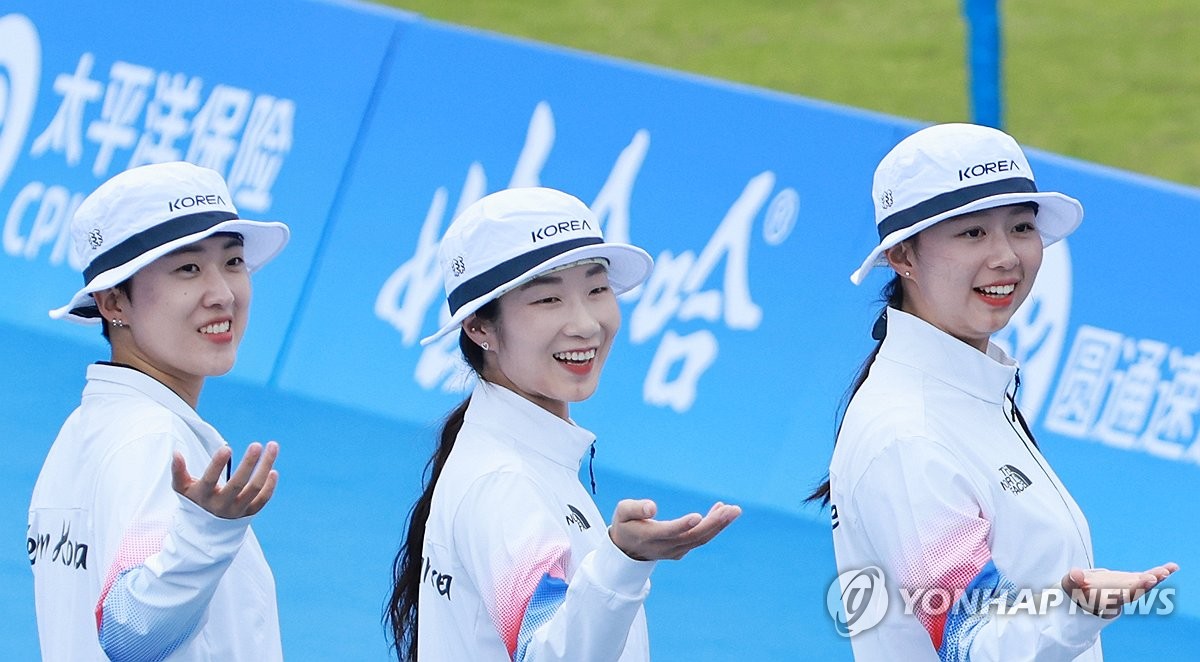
(154, 598)
(545, 602)
(528, 596)
(163, 555)
(926, 523)
(128, 629)
(969, 614)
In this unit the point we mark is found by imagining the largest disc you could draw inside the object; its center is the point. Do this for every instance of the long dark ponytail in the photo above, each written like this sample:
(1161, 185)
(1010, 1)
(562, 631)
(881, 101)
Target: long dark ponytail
(892, 295)
(402, 606)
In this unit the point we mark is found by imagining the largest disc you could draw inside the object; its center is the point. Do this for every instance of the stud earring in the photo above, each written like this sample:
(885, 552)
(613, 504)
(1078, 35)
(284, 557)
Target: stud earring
(907, 274)
(484, 345)
(118, 323)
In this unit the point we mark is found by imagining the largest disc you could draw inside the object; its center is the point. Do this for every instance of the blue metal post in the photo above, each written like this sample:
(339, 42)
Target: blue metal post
(984, 61)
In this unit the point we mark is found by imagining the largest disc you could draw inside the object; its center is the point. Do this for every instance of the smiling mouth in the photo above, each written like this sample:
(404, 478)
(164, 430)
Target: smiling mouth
(997, 291)
(217, 328)
(575, 358)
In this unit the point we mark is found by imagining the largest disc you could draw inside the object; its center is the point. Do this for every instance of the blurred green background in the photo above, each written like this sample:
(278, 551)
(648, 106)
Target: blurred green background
(1111, 81)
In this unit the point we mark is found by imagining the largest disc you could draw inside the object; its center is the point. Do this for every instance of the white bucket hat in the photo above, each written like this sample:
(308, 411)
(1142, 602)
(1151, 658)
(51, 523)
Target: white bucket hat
(948, 170)
(146, 212)
(510, 237)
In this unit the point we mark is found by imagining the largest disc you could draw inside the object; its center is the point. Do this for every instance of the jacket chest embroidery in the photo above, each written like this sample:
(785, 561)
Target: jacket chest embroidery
(575, 517)
(1014, 480)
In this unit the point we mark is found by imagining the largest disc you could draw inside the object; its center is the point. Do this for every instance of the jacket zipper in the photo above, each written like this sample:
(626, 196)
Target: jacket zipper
(1026, 441)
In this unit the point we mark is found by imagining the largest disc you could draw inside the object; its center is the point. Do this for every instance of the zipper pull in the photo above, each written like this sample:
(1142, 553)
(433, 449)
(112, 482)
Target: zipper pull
(591, 468)
(1016, 388)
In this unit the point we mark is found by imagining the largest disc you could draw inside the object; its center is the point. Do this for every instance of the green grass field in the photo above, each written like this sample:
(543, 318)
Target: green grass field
(1111, 81)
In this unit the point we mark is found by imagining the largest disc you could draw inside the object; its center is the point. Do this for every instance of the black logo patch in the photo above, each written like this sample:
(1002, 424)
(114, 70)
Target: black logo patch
(1015, 480)
(577, 518)
(458, 266)
(95, 238)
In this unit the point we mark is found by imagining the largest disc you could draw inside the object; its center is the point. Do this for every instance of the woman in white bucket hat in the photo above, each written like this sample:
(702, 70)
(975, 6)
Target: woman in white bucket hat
(506, 556)
(937, 489)
(161, 565)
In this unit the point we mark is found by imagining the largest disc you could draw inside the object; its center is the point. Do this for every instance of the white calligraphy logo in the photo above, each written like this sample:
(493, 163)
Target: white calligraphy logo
(678, 288)
(20, 69)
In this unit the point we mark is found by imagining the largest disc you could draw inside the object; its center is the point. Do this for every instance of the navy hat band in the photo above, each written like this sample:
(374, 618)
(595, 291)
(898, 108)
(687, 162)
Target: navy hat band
(152, 238)
(509, 269)
(940, 204)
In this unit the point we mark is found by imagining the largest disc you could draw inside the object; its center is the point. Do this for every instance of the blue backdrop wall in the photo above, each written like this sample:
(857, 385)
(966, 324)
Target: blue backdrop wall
(367, 129)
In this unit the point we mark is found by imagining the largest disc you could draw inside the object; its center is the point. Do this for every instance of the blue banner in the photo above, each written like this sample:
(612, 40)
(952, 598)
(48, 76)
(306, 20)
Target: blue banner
(88, 92)
(739, 195)
(736, 353)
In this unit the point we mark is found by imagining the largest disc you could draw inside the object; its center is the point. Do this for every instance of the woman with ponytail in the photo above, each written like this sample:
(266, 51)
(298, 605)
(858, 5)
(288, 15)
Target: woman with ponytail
(938, 491)
(507, 557)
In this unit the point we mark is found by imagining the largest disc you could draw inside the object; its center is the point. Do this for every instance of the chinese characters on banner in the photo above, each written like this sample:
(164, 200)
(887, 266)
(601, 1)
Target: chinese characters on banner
(136, 115)
(1136, 394)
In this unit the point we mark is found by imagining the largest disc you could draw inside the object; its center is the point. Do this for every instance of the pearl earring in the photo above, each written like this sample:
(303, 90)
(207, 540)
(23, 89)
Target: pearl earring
(484, 345)
(907, 274)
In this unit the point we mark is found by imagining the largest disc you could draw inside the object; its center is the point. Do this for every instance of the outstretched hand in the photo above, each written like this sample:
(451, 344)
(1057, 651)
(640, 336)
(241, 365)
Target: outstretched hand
(1103, 592)
(246, 491)
(635, 531)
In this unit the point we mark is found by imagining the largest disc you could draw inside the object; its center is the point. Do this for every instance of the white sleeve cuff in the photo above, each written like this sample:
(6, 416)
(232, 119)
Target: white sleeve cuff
(215, 536)
(1082, 626)
(619, 573)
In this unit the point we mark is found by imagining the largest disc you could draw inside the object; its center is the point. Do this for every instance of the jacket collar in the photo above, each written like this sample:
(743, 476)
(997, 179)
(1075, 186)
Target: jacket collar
(110, 379)
(511, 417)
(913, 342)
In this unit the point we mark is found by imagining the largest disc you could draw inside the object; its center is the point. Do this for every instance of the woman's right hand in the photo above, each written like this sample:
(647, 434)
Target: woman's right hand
(1104, 592)
(635, 531)
(246, 491)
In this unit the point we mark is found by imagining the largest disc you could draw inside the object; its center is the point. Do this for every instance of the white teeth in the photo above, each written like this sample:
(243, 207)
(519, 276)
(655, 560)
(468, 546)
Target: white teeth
(998, 290)
(576, 357)
(221, 327)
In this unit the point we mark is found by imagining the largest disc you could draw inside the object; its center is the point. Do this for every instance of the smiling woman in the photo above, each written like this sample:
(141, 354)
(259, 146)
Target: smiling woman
(506, 555)
(183, 315)
(935, 478)
(167, 274)
(972, 271)
(560, 329)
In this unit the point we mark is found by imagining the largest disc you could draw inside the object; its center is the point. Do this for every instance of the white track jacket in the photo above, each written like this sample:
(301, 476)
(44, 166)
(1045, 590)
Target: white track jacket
(124, 566)
(518, 563)
(935, 481)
